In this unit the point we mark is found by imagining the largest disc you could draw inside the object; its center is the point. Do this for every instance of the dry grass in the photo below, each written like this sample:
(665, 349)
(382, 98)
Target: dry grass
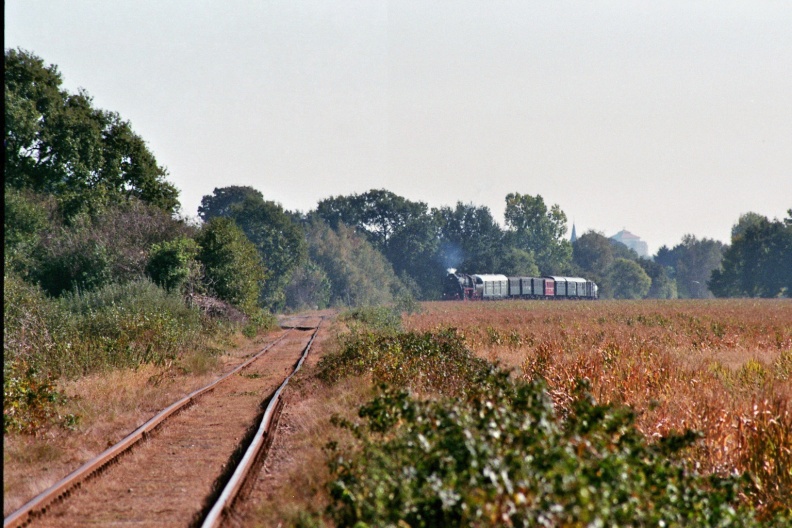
(294, 476)
(110, 405)
(721, 367)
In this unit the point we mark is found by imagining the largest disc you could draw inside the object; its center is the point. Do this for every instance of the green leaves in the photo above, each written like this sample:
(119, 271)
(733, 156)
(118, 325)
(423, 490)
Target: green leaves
(232, 266)
(279, 240)
(539, 231)
(757, 264)
(173, 264)
(628, 280)
(57, 143)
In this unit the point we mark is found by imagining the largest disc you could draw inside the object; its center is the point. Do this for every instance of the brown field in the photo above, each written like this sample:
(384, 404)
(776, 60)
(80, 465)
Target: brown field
(721, 367)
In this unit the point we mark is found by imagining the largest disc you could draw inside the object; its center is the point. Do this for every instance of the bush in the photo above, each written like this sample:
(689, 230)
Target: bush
(30, 399)
(124, 325)
(378, 318)
(94, 251)
(232, 266)
(359, 275)
(29, 320)
(628, 280)
(72, 259)
(504, 458)
(25, 217)
(434, 361)
(309, 288)
(173, 265)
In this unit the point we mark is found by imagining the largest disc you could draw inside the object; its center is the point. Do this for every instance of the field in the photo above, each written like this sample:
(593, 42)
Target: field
(721, 370)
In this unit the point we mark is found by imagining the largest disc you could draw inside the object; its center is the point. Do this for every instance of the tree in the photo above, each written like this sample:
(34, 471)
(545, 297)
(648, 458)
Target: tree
(470, 238)
(173, 265)
(402, 230)
(663, 286)
(518, 262)
(25, 217)
(628, 280)
(593, 252)
(279, 240)
(57, 143)
(757, 264)
(695, 262)
(359, 274)
(309, 287)
(412, 251)
(90, 252)
(233, 269)
(222, 199)
(534, 228)
(378, 213)
(744, 222)
(667, 258)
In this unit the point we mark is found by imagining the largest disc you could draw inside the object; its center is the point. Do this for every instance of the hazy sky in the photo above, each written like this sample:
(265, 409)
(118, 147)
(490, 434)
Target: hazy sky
(667, 117)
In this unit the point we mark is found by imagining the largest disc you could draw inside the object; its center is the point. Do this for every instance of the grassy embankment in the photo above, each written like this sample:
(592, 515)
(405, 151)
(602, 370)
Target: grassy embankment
(82, 371)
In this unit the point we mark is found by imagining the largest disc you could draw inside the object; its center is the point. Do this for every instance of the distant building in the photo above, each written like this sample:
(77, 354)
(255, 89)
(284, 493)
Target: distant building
(573, 238)
(632, 241)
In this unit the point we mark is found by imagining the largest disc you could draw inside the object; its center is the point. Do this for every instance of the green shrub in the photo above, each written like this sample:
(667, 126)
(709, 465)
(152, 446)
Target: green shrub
(125, 325)
(173, 264)
(92, 251)
(434, 361)
(29, 320)
(232, 266)
(377, 318)
(72, 258)
(25, 216)
(503, 458)
(30, 399)
(258, 322)
(309, 288)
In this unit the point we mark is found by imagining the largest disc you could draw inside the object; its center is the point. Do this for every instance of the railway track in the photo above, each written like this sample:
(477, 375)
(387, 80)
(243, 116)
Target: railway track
(189, 464)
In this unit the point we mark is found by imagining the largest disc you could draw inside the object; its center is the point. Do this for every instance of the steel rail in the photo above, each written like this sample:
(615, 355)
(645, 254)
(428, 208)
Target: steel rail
(222, 507)
(38, 506)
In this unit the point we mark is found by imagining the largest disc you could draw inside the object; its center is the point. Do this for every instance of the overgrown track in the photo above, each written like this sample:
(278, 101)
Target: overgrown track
(187, 465)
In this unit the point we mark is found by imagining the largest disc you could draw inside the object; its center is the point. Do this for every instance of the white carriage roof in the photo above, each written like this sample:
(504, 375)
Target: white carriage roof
(567, 279)
(490, 277)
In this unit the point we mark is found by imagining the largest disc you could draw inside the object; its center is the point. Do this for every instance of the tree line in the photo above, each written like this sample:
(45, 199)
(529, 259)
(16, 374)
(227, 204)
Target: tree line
(87, 205)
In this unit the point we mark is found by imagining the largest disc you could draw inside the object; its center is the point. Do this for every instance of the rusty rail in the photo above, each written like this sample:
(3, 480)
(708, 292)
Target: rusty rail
(255, 452)
(38, 506)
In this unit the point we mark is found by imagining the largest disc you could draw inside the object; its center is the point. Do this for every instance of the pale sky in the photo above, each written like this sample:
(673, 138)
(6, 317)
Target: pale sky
(665, 118)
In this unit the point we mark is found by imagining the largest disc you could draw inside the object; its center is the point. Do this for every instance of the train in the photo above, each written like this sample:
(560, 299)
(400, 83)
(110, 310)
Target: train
(461, 286)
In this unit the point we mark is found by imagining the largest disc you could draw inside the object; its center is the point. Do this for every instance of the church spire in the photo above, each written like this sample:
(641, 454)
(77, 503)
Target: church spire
(573, 238)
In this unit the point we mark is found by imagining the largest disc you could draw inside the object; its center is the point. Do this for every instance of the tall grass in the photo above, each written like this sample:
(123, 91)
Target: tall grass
(116, 326)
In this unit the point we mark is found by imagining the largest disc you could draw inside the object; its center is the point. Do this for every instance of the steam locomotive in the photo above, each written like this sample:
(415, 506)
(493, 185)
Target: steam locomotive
(461, 286)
